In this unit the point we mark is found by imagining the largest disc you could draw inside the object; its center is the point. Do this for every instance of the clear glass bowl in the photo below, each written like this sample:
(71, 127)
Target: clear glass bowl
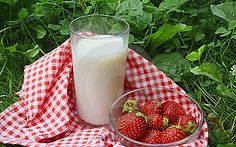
(160, 94)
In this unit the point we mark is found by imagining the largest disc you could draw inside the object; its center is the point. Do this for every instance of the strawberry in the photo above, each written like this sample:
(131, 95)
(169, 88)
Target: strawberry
(157, 121)
(172, 134)
(172, 111)
(132, 125)
(150, 107)
(152, 137)
(187, 123)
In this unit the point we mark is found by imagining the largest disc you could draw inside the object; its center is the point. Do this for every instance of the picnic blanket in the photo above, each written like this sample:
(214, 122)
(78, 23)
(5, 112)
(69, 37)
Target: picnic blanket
(46, 113)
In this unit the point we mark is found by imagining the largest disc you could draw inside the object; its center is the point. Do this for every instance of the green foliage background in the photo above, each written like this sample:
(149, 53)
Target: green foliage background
(192, 41)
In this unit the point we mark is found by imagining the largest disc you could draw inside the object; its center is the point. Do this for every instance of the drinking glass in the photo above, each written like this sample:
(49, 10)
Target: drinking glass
(99, 50)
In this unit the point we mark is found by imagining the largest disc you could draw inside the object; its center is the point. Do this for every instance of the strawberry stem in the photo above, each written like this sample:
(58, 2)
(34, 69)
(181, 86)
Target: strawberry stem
(176, 126)
(130, 105)
(140, 114)
(165, 122)
(158, 103)
(191, 127)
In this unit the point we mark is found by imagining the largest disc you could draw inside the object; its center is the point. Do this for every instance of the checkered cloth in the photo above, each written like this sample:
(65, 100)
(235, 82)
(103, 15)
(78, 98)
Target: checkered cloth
(46, 113)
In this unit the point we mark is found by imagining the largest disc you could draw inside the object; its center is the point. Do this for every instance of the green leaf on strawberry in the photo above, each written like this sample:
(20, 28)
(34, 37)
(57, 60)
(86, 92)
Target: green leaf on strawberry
(188, 123)
(130, 105)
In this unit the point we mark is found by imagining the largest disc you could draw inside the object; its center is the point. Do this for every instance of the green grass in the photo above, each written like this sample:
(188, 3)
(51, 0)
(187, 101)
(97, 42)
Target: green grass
(10, 84)
(194, 32)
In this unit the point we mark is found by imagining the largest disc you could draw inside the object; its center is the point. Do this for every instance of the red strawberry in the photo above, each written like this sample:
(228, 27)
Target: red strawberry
(150, 107)
(152, 137)
(157, 121)
(172, 134)
(187, 123)
(172, 111)
(132, 125)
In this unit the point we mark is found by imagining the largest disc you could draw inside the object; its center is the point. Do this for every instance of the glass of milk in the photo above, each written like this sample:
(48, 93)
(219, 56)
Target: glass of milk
(99, 51)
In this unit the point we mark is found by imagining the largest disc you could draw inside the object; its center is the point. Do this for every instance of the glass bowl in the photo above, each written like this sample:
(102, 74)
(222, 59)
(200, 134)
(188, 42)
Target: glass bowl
(160, 94)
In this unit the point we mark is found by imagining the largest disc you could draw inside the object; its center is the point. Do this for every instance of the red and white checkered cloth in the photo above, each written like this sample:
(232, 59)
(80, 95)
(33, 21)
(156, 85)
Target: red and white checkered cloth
(46, 113)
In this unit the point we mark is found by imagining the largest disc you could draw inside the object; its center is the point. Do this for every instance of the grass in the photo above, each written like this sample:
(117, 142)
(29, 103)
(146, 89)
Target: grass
(10, 82)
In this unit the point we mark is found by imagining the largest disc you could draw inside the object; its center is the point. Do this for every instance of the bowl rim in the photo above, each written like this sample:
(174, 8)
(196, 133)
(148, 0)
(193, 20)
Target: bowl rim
(185, 140)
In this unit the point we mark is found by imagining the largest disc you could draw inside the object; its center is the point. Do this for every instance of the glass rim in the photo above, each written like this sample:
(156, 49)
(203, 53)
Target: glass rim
(198, 130)
(100, 15)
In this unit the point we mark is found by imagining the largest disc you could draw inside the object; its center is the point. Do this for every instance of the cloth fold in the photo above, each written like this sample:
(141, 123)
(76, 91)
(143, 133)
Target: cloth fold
(46, 113)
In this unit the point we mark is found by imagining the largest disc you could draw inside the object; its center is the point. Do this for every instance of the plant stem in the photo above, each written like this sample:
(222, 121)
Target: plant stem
(31, 36)
(4, 65)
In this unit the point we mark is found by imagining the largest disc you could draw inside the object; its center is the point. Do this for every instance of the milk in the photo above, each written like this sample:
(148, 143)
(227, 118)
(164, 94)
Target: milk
(99, 71)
